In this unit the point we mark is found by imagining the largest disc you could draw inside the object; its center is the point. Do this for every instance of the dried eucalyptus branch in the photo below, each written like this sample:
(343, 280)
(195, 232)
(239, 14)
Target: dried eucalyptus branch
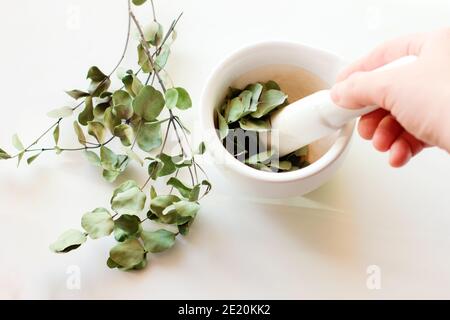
(131, 114)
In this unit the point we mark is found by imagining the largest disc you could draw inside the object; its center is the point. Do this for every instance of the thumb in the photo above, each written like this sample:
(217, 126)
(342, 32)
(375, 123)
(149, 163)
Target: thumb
(363, 89)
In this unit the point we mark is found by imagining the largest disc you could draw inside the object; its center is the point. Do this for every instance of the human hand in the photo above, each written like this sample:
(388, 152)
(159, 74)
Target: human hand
(414, 99)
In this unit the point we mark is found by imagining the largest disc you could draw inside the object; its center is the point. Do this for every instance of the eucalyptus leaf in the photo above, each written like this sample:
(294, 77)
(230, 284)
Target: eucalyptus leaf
(126, 226)
(88, 113)
(96, 89)
(56, 134)
(98, 223)
(128, 198)
(79, 132)
(143, 60)
(270, 99)
(260, 157)
(63, 112)
(68, 241)
(184, 190)
(153, 193)
(139, 2)
(77, 94)
(110, 175)
(149, 103)
(158, 241)
(93, 158)
(17, 143)
(160, 203)
(223, 126)
(149, 137)
(256, 90)
(186, 210)
(153, 33)
(97, 130)
(134, 156)
(271, 85)
(252, 124)
(32, 158)
(109, 160)
(121, 97)
(132, 84)
(4, 155)
(125, 133)
(183, 229)
(234, 110)
(184, 100)
(128, 254)
(201, 148)
(123, 111)
(169, 166)
(282, 165)
(95, 74)
(110, 120)
(161, 59)
(171, 97)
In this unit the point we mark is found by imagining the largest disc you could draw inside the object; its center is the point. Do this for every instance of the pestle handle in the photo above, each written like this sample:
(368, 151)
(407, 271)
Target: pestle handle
(316, 116)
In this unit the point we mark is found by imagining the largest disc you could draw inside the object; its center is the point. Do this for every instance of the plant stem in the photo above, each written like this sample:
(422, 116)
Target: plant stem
(95, 146)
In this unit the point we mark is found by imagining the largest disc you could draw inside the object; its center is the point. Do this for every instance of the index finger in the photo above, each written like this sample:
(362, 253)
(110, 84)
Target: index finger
(389, 51)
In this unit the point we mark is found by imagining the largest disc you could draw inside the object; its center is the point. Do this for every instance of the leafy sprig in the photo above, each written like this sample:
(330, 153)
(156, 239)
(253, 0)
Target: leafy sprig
(133, 114)
(245, 116)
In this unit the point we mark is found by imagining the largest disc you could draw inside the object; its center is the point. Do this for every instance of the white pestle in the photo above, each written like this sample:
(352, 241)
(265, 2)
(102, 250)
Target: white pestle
(315, 116)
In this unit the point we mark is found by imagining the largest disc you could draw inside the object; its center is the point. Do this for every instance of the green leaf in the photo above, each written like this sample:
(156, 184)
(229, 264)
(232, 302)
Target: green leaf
(160, 203)
(95, 74)
(186, 209)
(121, 97)
(132, 84)
(97, 130)
(17, 143)
(134, 156)
(110, 120)
(93, 158)
(201, 148)
(271, 85)
(149, 137)
(88, 113)
(77, 94)
(122, 111)
(153, 33)
(97, 89)
(139, 2)
(153, 193)
(109, 160)
(161, 59)
(128, 198)
(246, 98)
(98, 223)
(234, 110)
(183, 229)
(223, 126)
(256, 90)
(125, 133)
(149, 103)
(68, 241)
(184, 100)
(302, 152)
(171, 98)
(128, 254)
(110, 175)
(195, 193)
(158, 241)
(169, 166)
(260, 157)
(154, 168)
(126, 226)
(63, 112)
(184, 190)
(102, 105)
(270, 99)
(4, 155)
(252, 124)
(282, 165)
(143, 61)
(79, 132)
(20, 157)
(56, 134)
(32, 158)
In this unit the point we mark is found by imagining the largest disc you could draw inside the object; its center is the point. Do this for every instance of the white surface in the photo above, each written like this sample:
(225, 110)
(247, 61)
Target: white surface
(368, 214)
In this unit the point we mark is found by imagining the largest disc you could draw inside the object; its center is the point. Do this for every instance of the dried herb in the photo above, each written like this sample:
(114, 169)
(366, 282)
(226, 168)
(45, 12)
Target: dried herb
(243, 125)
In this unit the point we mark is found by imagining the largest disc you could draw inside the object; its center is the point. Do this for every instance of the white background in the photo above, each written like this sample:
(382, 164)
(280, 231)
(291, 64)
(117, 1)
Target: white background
(319, 246)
